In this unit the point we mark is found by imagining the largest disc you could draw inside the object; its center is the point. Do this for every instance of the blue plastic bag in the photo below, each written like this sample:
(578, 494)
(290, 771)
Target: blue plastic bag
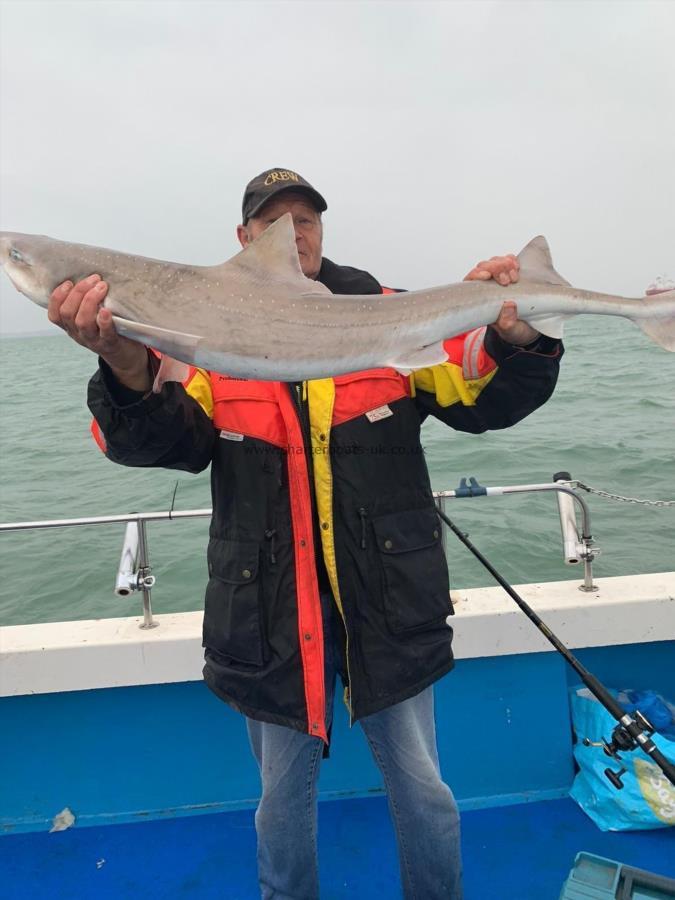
(647, 799)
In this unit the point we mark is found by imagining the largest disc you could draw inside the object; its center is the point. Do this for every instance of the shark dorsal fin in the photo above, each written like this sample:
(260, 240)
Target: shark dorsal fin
(274, 253)
(536, 263)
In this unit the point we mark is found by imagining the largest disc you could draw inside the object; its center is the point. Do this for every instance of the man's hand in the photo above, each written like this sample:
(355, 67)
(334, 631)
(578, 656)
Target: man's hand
(77, 309)
(505, 270)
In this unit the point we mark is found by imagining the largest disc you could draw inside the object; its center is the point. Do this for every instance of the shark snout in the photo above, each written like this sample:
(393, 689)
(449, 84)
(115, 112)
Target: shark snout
(5, 246)
(17, 259)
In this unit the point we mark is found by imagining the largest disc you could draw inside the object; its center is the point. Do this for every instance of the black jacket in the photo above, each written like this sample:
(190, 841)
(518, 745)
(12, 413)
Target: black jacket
(333, 471)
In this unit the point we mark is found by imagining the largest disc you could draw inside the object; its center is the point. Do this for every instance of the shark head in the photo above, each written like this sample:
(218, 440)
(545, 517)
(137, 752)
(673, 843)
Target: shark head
(24, 257)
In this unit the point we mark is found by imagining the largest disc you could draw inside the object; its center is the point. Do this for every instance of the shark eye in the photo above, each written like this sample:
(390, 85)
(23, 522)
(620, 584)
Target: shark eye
(16, 255)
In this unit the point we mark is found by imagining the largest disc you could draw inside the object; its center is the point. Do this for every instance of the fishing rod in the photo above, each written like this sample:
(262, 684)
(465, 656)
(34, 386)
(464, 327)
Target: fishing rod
(632, 730)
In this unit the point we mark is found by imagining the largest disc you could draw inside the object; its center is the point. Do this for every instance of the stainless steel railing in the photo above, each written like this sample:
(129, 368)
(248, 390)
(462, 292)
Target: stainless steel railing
(135, 572)
(577, 547)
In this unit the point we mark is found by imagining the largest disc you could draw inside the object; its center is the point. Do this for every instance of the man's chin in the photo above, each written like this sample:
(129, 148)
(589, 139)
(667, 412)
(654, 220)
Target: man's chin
(308, 270)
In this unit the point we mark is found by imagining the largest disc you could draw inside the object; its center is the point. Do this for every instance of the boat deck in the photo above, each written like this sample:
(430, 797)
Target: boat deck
(521, 852)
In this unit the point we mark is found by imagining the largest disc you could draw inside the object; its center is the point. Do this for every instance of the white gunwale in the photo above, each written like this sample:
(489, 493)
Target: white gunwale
(106, 653)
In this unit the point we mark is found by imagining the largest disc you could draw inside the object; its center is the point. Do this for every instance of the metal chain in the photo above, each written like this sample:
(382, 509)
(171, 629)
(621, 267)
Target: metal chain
(609, 496)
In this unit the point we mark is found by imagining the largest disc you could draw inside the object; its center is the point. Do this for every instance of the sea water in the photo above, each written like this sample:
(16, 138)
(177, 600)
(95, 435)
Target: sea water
(611, 423)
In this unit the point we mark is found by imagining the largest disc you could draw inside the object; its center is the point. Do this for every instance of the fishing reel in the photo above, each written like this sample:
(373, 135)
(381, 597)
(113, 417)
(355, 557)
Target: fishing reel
(622, 740)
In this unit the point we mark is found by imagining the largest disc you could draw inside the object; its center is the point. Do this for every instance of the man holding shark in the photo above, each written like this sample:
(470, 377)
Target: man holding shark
(325, 556)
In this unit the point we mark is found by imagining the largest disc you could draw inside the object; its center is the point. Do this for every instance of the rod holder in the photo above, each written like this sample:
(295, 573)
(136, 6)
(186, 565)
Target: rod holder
(576, 548)
(573, 549)
(126, 581)
(134, 573)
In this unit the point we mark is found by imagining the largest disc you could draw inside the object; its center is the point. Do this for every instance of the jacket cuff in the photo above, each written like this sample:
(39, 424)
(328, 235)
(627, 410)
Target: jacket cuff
(500, 350)
(124, 398)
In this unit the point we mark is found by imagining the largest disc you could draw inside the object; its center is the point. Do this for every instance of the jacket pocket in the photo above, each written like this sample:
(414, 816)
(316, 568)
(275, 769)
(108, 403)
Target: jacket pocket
(415, 573)
(232, 614)
(248, 409)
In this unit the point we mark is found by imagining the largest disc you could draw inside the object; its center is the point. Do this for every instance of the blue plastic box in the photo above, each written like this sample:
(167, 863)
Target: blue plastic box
(595, 878)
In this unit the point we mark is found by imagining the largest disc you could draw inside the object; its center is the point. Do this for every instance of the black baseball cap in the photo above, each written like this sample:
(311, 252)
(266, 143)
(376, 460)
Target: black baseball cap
(270, 183)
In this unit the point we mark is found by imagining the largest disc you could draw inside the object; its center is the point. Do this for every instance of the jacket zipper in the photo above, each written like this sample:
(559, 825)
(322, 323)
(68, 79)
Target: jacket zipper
(307, 442)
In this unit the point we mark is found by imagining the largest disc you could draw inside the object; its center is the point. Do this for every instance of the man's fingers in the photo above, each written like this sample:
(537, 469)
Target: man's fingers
(504, 269)
(107, 328)
(85, 318)
(478, 274)
(56, 299)
(71, 305)
(86, 283)
(500, 264)
(512, 329)
(74, 307)
(508, 314)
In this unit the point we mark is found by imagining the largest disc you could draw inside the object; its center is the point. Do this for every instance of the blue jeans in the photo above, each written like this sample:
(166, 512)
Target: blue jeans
(402, 740)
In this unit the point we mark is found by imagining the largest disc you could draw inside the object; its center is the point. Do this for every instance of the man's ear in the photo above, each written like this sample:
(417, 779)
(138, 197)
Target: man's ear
(243, 236)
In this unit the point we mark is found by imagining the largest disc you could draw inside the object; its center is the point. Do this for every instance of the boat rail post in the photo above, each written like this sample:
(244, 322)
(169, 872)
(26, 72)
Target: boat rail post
(145, 579)
(588, 557)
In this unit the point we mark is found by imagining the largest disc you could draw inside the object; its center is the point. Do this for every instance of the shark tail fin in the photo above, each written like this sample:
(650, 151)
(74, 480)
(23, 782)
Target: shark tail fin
(660, 329)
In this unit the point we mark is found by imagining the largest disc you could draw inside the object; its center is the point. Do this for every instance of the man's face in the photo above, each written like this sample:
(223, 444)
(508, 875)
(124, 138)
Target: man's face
(307, 223)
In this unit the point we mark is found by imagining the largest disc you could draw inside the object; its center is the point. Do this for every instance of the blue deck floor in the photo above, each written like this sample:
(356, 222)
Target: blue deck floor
(520, 852)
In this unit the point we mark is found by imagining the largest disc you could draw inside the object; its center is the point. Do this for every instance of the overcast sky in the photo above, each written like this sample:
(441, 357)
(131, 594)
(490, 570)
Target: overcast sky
(438, 132)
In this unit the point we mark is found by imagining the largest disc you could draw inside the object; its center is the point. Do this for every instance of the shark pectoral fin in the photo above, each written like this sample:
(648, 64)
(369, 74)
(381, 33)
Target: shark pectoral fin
(551, 326)
(421, 358)
(170, 369)
(176, 344)
(536, 264)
